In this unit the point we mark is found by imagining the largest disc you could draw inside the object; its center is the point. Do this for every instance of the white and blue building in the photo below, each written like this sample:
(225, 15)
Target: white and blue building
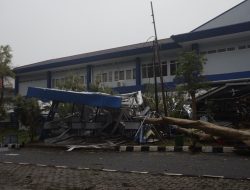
(224, 41)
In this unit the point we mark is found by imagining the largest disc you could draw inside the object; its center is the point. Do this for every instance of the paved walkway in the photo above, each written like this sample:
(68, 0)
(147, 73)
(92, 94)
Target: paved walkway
(26, 177)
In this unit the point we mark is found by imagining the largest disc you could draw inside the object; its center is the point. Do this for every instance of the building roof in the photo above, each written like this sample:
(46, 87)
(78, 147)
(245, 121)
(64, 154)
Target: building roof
(130, 50)
(214, 32)
(237, 14)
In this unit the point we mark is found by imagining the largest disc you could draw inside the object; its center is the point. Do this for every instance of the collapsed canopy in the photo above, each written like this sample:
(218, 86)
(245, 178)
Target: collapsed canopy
(84, 98)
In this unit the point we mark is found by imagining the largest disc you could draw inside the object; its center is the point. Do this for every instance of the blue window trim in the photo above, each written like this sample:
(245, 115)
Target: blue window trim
(172, 85)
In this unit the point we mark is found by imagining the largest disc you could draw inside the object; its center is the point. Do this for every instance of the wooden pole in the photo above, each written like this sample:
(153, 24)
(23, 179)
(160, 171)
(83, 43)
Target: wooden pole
(155, 80)
(160, 64)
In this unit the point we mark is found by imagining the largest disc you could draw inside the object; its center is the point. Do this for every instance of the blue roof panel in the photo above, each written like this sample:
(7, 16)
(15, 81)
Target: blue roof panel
(95, 99)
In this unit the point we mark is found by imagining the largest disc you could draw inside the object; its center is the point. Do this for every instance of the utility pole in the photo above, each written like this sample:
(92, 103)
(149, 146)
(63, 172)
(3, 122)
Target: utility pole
(156, 49)
(155, 80)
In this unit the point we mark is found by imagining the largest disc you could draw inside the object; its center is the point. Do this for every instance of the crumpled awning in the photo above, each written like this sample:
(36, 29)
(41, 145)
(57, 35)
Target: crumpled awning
(96, 99)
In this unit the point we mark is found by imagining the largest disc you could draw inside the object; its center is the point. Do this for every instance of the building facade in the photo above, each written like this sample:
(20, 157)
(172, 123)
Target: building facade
(224, 41)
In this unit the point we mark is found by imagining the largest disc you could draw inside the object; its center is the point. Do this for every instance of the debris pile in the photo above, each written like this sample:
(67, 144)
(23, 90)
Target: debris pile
(99, 120)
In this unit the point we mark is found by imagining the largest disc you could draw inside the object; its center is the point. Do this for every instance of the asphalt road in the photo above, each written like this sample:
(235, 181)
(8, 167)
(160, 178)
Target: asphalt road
(227, 165)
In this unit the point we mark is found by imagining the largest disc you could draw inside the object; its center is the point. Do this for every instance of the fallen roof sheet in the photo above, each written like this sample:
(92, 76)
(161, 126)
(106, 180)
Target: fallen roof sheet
(228, 91)
(83, 98)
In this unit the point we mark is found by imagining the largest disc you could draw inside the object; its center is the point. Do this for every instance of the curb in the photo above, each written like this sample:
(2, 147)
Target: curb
(10, 146)
(144, 148)
(204, 149)
(62, 147)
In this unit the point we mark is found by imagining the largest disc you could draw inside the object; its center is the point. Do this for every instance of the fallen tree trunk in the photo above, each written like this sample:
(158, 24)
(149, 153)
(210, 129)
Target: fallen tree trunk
(193, 134)
(201, 136)
(208, 128)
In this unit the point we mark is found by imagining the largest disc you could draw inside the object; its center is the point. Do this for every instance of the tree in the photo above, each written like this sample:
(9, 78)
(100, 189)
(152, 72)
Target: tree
(29, 113)
(5, 70)
(96, 87)
(72, 82)
(189, 76)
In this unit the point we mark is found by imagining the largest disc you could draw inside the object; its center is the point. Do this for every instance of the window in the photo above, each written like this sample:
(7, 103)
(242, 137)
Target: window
(98, 78)
(164, 68)
(110, 76)
(157, 70)
(242, 47)
(173, 67)
(203, 53)
(57, 83)
(67, 79)
(150, 70)
(211, 51)
(221, 50)
(134, 73)
(248, 46)
(104, 77)
(128, 74)
(53, 83)
(62, 81)
(231, 49)
(144, 71)
(82, 79)
(121, 75)
(116, 76)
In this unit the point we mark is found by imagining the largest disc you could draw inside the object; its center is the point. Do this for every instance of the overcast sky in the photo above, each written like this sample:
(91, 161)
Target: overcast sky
(39, 30)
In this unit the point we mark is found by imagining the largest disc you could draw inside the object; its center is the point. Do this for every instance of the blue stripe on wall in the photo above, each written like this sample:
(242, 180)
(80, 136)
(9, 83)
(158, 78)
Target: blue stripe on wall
(172, 85)
(228, 76)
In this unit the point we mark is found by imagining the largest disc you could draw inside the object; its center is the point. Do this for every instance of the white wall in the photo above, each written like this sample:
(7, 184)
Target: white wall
(237, 60)
(23, 86)
(217, 63)
(112, 67)
(58, 75)
(168, 78)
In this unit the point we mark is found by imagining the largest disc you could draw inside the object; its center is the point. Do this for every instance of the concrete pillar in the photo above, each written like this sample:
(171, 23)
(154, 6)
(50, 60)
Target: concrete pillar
(138, 71)
(196, 48)
(16, 85)
(89, 73)
(48, 79)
